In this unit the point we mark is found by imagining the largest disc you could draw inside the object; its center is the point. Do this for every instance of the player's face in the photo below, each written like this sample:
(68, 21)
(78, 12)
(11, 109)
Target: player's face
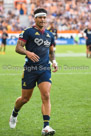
(40, 21)
(4, 30)
(52, 25)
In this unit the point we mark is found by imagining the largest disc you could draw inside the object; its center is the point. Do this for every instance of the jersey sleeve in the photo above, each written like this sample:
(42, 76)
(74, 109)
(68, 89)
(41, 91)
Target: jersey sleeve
(85, 31)
(52, 40)
(24, 36)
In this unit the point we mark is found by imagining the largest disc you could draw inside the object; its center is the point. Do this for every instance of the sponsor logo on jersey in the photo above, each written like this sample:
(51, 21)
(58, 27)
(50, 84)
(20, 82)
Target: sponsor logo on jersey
(47, 35)
(37, 33)
(41, 41)
(38, 41)
(47, 43)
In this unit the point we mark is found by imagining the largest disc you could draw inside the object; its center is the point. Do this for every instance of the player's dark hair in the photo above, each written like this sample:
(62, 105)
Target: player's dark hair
(40, 10)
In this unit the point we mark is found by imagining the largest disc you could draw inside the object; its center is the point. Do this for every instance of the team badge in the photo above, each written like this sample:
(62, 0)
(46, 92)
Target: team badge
(37, 33)
(24, 84)
(50, 79)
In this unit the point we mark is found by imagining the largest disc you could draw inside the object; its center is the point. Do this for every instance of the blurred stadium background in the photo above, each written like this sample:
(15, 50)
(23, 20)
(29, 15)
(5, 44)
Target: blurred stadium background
(69, 16)
(70, 93)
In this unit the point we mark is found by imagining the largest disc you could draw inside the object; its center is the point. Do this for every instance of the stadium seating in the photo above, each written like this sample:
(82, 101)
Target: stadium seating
(66, 14)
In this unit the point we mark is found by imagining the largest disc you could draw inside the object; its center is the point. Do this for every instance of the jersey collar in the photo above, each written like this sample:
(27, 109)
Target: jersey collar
(42, 31)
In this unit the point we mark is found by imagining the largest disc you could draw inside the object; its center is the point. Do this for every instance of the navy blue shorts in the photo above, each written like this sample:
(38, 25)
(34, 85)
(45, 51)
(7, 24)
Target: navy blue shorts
(4, 41)
(29, 79)
(88, 43)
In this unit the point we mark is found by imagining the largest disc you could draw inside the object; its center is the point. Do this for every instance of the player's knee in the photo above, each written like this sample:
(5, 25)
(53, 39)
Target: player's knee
(46, 96)
(25, 100)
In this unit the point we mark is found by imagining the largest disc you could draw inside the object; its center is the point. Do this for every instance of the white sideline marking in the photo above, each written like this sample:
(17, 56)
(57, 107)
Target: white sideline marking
(10, 74)
(70, 54)
(70, 73)
(85, 73)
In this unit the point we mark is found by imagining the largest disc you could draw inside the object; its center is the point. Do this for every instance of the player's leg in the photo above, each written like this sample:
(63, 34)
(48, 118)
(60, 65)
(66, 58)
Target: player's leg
(90, 50)
(26, 95)
(87, 51)
(45, 96)
(44, 88)
(28, 84)
(24, 98)
(1, 47)
(75, 42)
(4, 46)
(4, 49)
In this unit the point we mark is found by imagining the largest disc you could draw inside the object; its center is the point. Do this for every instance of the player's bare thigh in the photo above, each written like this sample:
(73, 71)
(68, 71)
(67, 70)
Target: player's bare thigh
(88, 47)
(45, 88)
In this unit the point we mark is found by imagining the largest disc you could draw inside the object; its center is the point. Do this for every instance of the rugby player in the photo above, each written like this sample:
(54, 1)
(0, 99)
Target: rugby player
(4, 38)
(87, 31)
(38, 43)
(52, 29)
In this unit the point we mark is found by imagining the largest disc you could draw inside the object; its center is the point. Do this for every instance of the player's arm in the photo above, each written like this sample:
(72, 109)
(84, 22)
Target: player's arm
(56, 34)
(84, 34)
(7, 36)
(20, 47)
(21, 50)
(51, 54)
(52, 59)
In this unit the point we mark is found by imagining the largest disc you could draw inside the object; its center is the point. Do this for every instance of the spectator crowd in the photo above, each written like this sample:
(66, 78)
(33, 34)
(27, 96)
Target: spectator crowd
(66, 14)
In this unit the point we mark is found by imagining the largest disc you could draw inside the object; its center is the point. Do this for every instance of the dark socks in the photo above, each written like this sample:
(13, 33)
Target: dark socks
(15, 112)
(46, 119)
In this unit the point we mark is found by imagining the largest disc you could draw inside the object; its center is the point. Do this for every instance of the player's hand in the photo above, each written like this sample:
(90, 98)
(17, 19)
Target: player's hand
(32, 56)
(86, 37)
(55, 66)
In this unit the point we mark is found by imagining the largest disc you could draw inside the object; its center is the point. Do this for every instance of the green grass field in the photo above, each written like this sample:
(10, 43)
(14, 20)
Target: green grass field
(70, 95)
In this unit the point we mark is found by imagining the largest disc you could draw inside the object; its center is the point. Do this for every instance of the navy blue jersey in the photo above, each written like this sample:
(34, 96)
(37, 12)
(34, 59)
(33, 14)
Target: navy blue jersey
(4, 36)
(39, 43)
(53, 31)
(88, 34)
